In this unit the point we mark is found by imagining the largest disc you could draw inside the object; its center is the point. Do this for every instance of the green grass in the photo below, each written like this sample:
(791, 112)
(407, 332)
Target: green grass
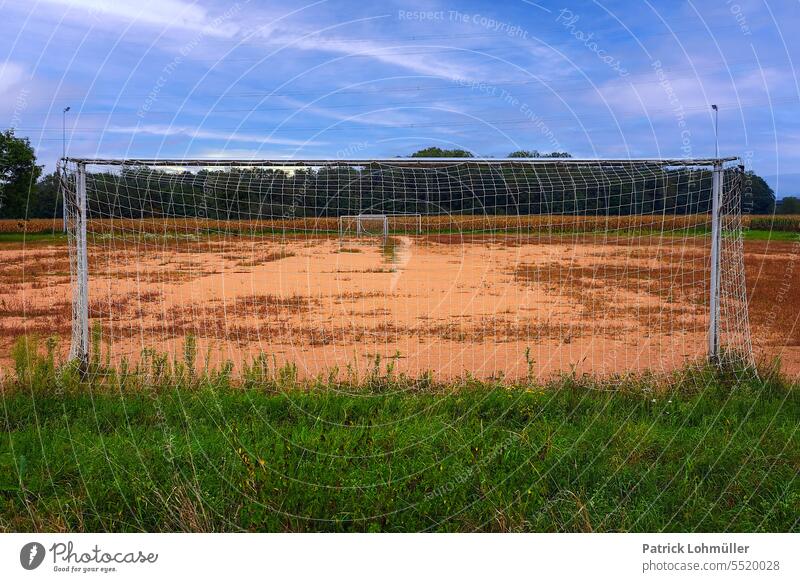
(53, 237)
(776, 235)
(169, 447)
(17, 237)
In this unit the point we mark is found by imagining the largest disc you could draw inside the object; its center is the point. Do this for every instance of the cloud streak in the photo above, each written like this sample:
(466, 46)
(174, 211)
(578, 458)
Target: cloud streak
(174, 14)
(206, 134)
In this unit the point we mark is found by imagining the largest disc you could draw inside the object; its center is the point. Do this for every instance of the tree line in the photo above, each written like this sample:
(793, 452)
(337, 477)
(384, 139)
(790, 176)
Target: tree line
(333, 191)
(377, 188)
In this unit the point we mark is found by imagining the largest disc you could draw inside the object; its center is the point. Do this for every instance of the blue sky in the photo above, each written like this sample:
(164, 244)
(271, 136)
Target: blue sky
(350, 79)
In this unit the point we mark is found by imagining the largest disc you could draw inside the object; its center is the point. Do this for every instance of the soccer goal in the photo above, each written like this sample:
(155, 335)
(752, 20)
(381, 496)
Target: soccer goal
(379, 224)
(550, 265)
(364, 225)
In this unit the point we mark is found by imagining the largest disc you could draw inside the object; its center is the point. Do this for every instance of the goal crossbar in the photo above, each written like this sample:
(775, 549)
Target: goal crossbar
(272, 162)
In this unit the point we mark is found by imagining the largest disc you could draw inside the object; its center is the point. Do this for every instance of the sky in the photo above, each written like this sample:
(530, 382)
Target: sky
(368, 79)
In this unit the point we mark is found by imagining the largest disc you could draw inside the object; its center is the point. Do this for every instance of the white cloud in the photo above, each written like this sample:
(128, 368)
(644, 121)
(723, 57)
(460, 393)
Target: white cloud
(381, 118)
(425, 64)
(691, 95)
(158, 13)
(235, 24)
(245, 154)
(11, 76)
(172, 130)
(15, 88)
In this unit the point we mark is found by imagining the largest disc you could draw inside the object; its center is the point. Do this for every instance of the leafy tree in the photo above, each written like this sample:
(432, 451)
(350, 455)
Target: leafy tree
(18, 174)
(759, 194)
(46, 202)
(538, 154)
(435, 152)
(789, 205)
(524, 154)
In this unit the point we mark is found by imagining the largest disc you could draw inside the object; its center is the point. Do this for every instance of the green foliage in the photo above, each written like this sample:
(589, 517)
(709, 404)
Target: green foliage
(538, 154)
(150, 449)
(789, 205)
(434, 152)
(47, 200)
(36, 370)
(18, 174)
(758, 194)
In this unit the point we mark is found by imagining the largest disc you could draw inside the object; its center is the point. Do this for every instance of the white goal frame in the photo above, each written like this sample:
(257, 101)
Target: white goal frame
(75, 196)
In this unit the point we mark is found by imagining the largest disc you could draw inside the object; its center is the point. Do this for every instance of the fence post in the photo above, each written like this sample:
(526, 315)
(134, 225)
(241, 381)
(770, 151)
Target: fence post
(79, 348)
(716, 239)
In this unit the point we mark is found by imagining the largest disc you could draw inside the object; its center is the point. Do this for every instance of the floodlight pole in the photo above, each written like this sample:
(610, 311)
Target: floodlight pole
(79, 348)
(716, 130)
(716, 240)
(64, 157)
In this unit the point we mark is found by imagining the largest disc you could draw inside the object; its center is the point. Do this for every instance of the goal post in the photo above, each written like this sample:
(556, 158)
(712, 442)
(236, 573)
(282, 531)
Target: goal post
(674, 226)
(716, 231)
(73, 189)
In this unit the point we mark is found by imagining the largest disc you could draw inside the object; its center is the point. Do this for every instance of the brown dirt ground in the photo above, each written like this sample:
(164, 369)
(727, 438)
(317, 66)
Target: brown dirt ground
(449, 303)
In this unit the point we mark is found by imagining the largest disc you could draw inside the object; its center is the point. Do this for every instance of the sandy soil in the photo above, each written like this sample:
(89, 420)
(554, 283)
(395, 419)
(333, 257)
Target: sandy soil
(448, 304)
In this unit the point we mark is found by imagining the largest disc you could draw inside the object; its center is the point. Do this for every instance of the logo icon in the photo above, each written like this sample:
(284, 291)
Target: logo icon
(31, 555)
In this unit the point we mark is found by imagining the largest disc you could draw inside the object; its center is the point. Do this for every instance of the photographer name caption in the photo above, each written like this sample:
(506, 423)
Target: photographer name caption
(702, 556)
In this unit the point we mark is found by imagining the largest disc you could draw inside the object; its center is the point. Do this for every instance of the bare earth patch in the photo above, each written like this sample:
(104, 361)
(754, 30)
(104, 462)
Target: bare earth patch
(451, 304)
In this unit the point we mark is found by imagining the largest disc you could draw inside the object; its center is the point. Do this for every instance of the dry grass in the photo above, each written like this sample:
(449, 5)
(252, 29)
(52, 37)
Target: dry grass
(262, 306)
(40, 264)
(24, 307)
(268, 258)
(118, 307)
(773, 277)
(658, 281)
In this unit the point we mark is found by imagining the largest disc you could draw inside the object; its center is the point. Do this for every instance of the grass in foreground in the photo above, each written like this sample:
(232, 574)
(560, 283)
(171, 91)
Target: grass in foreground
(167, 447)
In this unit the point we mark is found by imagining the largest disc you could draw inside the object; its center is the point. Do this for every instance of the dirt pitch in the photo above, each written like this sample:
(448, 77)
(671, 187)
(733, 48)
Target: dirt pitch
(450, 304)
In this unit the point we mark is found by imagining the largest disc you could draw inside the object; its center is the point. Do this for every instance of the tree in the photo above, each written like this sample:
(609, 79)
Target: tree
(18, 174)
(525, 154)
(538, 154)
(46, 202)
(789, 205)
(759, 194)
(434, 152)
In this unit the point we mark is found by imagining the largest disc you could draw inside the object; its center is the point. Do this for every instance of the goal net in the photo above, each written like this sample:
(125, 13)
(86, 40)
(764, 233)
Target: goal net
(480, 267)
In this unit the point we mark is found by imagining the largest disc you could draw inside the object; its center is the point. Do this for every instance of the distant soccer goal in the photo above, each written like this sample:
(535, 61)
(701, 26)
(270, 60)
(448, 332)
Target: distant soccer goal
(500, 267)
(364, 225)
(379, 224)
